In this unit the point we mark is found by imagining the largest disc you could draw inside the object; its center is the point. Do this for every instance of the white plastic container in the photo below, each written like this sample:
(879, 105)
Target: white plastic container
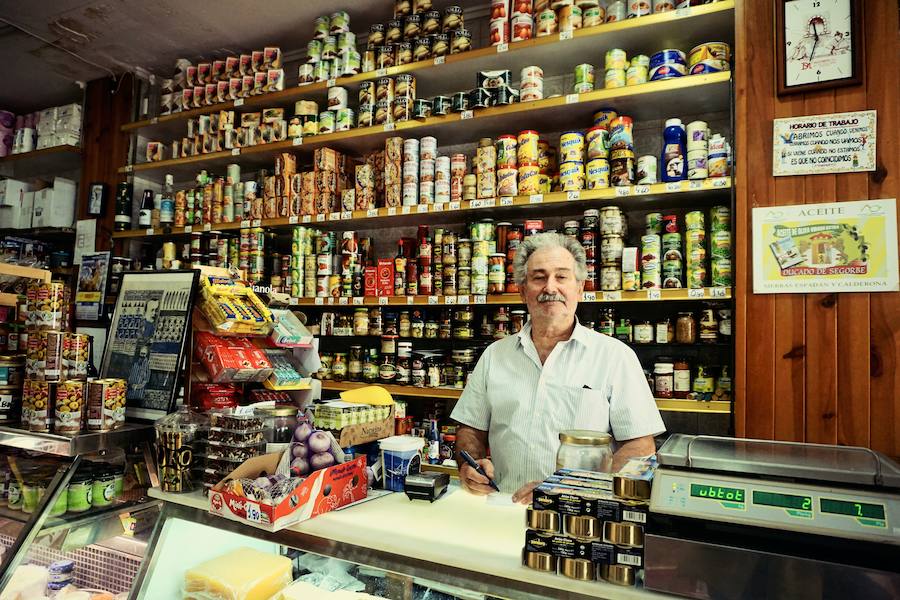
(400, 456)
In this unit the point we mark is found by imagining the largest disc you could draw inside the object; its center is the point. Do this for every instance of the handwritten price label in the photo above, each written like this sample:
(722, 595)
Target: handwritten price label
(438, 207)
(389, 127)
(320, 218)
(653, 294)
(382, 300)
(330, 300)
(347, 214)
(129, 168)
(235, 151)
(256, 222)
(462, 299)
(252, 512)
(432, 300)
(449, 299)
(535, 198)
(720, 182)
(476, 204)
(405, 210)
(571, 98)
(574, 195)
(454, 205)
(150, 231)
(410, 299)
(589, 297)
(612, 296)
(392, 211)
(673, 186)
(188, 228)
(335, 216)
(298, 141)
(683, 12)
(154, 120)
(372, 212)
(381, 73)
(565, 35)
(623, 191)
(422, 208)
(358, 300)
(490, 203)
(480, 299)
(306, 219)
(207, 227)
(343, 300)
(466, 114)
(439, 60)
(239, 103)
(319, 301)
(696, 293)
(695, 185)
(719, 292)
(640, 190)
(293, 220)
(504, 47)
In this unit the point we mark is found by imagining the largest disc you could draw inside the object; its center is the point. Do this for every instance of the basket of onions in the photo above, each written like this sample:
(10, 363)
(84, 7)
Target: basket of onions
(313, 449)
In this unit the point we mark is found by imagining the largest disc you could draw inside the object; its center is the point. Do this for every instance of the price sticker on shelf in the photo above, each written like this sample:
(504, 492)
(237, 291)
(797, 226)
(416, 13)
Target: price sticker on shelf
(504, 47)
(466, 114)
(372, 212)
(439, 60)
(330, 300)
(239, 103)
(410, 299)
(256, 222)
(640, 190)
(615, 296)
(330, 82)
(480, 299)
(245, 224)
(306, 219)
(696, 293)
(358, 300)
(347, 214)
(623, 191)
(389, 127)
(188, 228)
(422, 208)
(343, 300)
(462, 299)
(653, 294)
(506, 201)
(293, 220)
(382, 300)
(320, 218)
(294, 301)
(454, 205)
(476, 204)
(381, 73)
(490, 203)
(683, 12)
(673, 186)
(405, 210)
(718, 292)
(207, 227)
(252, 512)
(589, 297)
(565, 35)
(720, 182)
(319, 301)
(129, 168)
(432, 299)
(573, 195)
(149, 231)
(571, 98)
(695, 185)
(535, 198)
(438, 207)
(392, 210)
(335, 216)
(154, 120)
(298, 141)
(235, 151)
(449, 299)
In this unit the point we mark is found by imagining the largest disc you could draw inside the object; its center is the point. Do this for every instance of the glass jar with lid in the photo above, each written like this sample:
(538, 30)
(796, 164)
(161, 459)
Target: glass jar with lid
(583, 449)
(361, 321)
(686, 328)
(375, 321)
(339, 366)
(417, 325)
(404, 328)
(664, 379)
(665, 331)
(354, 367)
(624, 331)
(279, 422)
(643, 333)
(709, 327)
(516, 320)
(607, 324)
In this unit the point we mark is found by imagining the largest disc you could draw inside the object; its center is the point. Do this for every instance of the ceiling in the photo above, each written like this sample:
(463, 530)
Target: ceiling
(117, 36)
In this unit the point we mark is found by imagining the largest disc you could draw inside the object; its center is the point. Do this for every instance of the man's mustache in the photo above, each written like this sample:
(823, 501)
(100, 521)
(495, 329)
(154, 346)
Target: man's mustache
(551, 298)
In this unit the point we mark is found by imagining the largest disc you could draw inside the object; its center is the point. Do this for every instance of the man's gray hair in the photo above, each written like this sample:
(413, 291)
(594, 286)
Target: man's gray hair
(534, 243)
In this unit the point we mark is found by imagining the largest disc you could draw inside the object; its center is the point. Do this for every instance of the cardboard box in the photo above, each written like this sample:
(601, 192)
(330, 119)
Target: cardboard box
(230, 359)
(322, 491)
(353, 435)
(11, 191)
(18, 216)
(55, 206)
(385, 281)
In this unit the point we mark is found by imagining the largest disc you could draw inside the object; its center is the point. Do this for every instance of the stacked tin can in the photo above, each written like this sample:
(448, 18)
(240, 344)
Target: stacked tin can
(488, 268)
(697, 149)
(717, 161)
(720, 246)
(332, 52)
(710, 57)
(571, 161)
(613, 229)
(621, 147)
(531, 84)
(672, 252)
(486, 168)
(695, 242)
(393, 171)
(411, 166)
(296, 277)
(417, 32)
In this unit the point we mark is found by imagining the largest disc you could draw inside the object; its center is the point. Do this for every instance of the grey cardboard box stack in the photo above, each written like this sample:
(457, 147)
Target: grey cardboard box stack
(588, 525)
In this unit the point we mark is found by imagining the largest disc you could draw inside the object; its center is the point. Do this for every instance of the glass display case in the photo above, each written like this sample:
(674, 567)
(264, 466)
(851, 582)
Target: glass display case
(74, 509)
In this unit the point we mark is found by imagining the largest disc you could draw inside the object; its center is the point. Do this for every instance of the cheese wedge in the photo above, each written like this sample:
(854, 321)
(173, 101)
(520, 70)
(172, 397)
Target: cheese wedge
(242, 574)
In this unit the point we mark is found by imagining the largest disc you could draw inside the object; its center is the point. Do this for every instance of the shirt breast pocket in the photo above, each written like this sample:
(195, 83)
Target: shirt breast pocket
(578, 408)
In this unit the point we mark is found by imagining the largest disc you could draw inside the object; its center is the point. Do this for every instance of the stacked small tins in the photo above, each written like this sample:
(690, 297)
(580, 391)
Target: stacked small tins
(531, 84)
(332, 51)
(695, 238)
(711, 57)
(511, 20)
(587, 525)
(720, 246)
(417, 32)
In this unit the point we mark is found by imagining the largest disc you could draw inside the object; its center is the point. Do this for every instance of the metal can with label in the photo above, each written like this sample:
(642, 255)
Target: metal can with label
(597, 174)
(571, 176)
(721, 272)
(615, 78)
(597, 140)
(529, 179)
(646, 170)
(720, 244)
(571, 147)
(695, 220)
(506, 152)
(527, 150)
(584, 75)
(636, 75)
(616, 58)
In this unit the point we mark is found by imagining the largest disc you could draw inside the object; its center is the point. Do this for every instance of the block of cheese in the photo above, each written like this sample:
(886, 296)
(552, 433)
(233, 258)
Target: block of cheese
(242, 574)
(301, 590)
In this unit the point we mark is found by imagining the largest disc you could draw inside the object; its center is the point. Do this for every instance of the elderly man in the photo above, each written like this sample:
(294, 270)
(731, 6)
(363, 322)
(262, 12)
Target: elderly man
(554, 375)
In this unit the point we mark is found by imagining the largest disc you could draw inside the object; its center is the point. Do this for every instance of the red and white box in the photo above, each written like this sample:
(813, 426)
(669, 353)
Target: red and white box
(230, 359)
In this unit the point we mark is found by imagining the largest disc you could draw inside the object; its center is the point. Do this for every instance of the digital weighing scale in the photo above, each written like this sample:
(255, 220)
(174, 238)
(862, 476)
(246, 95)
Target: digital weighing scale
(737, 518)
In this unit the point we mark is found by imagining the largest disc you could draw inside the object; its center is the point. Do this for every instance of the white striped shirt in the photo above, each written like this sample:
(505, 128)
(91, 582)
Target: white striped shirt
(590, 381)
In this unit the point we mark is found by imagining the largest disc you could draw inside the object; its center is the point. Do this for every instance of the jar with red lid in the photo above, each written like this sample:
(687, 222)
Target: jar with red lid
(497, 273)
(681, 379)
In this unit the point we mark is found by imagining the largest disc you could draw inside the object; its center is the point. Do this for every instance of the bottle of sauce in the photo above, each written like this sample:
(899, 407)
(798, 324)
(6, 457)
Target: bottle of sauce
(663, 379)
(673, 161)
(400, 271)
(624, 330)
(665, 331)
(681, 379)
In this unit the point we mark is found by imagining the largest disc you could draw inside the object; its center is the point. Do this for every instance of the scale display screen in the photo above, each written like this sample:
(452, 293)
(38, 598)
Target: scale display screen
(783, 500)
(717, 492)
(852, 509)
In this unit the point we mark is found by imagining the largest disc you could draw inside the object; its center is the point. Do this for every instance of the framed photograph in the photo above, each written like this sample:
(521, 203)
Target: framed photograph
(147, 335)
(91, 288)
(96, 199)
(818, 44)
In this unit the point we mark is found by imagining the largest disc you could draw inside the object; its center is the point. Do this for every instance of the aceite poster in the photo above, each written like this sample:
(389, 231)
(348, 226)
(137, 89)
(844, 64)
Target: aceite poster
(820, 144)
(821, 248)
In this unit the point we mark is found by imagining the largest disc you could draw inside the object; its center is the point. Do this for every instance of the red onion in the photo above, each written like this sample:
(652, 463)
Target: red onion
(321, 460)
(300, 466)
(319, 442)
(302, 432)
(299, 450)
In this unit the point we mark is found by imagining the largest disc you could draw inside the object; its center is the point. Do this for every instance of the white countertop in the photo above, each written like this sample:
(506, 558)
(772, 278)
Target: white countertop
(459, 530)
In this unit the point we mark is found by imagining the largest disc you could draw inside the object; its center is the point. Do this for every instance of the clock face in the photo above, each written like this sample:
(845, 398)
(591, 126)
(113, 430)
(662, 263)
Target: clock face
(817, 40)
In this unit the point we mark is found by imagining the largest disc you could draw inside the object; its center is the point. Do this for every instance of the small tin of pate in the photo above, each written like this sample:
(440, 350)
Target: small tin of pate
(440, 105)
(539, 561)
(421, 108)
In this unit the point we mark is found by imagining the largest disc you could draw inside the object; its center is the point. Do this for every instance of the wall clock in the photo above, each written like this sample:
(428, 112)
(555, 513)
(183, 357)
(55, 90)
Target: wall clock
(819, 44)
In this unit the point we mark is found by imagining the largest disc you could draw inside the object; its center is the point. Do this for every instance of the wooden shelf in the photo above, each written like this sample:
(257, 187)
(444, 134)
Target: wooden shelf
(41, 232)
(636, 197)
(47, 161)
(694, 406)
(692, 94)
(681, 294)
(682, 29)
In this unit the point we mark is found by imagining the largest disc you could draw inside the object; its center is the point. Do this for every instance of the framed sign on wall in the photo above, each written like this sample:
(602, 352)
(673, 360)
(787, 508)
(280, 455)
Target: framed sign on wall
(819, 44)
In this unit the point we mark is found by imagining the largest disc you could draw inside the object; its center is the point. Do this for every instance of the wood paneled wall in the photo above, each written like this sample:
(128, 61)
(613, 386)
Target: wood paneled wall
(821, 368)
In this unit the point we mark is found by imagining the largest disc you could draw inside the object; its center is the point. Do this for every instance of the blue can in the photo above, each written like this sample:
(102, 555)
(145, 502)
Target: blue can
(668, 57)
(667, 71)
(709, 66)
